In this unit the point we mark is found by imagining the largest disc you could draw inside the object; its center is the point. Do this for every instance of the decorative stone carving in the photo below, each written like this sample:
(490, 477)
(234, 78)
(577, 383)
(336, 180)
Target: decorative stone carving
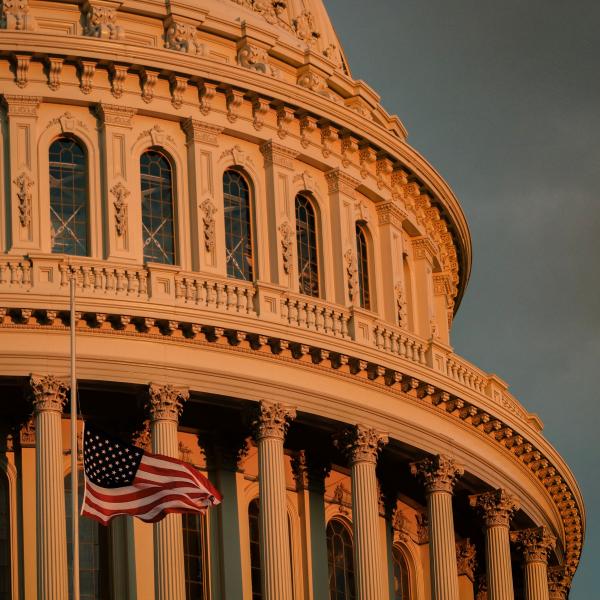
(400, 526)
(343, 498)
(276, 154)
(311, 80)
(49, 393)
(87, 70)
(208, 219)
(149, 79)
(198, 131)
(307, 181)
(466, 558)
(251, 56)
(558, 583)
(287, 238)
(285, 117)
(308, 125)
(14, 15)
(237, 156)
(101, 21)
(497, 507)
(362, 443)
(438, 474)
(143, 437)
(22, 106)
(260, 108)
(273, 420)
(367, 156)
(401, 305)
(55, 67)
(22, 62)
(482, 589)
(422, 528)
(120, 193)
(166, 402)
(349, 149)
(182, 37)
(351, 275)
(383, 168)
(207, 92)
(24, 183)
(332, 53)
(339, 182)
(118, 74)
(178, 87)
(329, 136)
(535, 543)
(271, 10)
(157, 135)
(27, 433)
(234, 101)
(305, 29)
(185, 453)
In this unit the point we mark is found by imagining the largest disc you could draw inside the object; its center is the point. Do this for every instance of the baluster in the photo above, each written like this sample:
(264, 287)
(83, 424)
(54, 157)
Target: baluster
(14, 275)
(4, 268)
(178, 288)
(387, 340)
(250, 293)
(97, 274)
(110, 280)
(212, 294)
(285, 308)
(120, 280)
(231, 297)
(395, 343)
(200, 292)
(64, 279)
(344, 322)
(320, 318)
(86, 284)
(301, 314)
(26, 273)
(328, 321)
(337, 323)
(240, 299)
(221, 296)
(131, 282)
(311, 316)
(378, 337)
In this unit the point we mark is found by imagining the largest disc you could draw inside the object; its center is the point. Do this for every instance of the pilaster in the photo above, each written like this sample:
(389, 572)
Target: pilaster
(165, 406)
(206, 198)
(120, 188)
(49, 396)
(22, 186)
(423, 253)
(439, 475)
(270, 428)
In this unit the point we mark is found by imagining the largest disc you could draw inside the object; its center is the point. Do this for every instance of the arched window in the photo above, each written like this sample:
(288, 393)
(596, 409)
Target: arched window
(255, 567)
(306, 238)
(68, 197)
(341, 561)
(194, 549)
(93, 552)
(401, 587)
(158, 230)
(238, 226)
(5, 584)
(362, 259)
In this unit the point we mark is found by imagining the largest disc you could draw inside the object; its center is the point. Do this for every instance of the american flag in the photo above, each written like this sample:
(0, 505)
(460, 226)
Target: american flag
(122, 479)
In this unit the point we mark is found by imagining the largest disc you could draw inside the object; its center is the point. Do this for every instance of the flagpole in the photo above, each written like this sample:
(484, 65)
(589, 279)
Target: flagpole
(74, 447)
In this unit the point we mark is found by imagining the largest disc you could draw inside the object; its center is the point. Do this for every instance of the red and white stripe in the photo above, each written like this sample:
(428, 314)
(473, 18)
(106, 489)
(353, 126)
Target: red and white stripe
(162, 485)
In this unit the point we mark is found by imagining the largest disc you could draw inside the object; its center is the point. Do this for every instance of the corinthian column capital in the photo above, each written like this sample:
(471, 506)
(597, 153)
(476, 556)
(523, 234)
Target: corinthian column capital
(166, 402)
(497, 507)
(49, 393)
(535, 543)
(438, 474)
(273, 420)
(363, 443)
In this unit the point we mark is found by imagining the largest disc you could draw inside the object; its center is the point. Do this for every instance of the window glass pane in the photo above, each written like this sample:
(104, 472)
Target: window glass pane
(238, 226)
(194, 544)
(306, 240)
(68, 197)
(93, 551)
(363, 268)
(157, 208)
(400, 576)
(340, 562)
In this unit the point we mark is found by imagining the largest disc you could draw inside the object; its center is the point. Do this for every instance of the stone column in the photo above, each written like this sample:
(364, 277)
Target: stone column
(363, 445)
(165, 406)
(49, 398)
(497, 509)
(558, 583)
(439, 475)
(271, 426)
(535, 544)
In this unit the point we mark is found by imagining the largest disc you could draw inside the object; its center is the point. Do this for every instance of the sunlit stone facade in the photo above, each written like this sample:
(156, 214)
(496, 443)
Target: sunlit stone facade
(267, 275)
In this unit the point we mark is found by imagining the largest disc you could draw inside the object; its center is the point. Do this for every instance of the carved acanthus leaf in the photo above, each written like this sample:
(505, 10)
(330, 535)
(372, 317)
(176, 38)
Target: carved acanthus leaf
(24, 183)
(272, 420)
(120, 193)
(208, 219)
(438, 474)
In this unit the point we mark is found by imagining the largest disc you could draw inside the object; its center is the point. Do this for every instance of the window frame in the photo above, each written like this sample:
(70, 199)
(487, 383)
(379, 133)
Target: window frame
(363, 266)
(311, 202)
(350, 591)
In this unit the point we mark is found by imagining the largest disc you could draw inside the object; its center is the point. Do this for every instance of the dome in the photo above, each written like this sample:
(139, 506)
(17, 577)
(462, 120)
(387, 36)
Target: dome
(265, 275)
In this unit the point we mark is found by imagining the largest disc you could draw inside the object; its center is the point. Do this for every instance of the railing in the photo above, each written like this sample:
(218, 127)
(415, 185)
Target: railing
(308, 313)
(160, 284)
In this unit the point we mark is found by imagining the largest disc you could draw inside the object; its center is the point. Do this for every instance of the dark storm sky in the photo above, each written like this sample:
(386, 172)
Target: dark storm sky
(503, 98)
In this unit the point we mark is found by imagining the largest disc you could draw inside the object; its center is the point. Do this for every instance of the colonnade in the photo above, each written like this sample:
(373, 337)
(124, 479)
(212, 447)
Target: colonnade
(362, 444)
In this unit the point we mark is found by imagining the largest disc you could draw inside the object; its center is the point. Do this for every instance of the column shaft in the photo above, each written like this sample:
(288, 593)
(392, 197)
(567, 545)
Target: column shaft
(536, 581)
(365, 513)
(499, 570)
(442, 547)
(50, 501)
(274, 530)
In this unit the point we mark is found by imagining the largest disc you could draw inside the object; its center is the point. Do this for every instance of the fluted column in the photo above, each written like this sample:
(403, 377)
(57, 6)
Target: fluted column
(535, 544)
(497, 508)
(49, 397)
(439, 475)
(270, 429)
(165, 406)
(558, 583)
(363, 445)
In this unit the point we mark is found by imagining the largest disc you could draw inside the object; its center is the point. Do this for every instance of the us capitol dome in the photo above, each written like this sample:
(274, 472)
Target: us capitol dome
(266, 278)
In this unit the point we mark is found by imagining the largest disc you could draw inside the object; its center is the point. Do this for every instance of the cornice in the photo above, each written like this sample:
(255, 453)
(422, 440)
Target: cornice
(564, 497)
